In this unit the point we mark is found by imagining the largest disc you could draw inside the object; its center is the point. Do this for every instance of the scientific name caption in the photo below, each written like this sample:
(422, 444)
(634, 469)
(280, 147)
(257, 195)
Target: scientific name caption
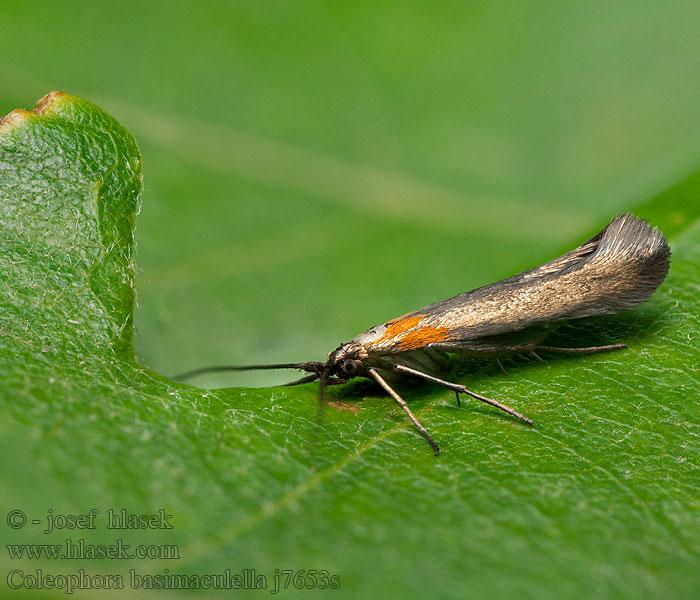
(72, 547)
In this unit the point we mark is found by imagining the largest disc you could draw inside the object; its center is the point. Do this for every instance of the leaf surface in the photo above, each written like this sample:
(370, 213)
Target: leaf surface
(601, 496)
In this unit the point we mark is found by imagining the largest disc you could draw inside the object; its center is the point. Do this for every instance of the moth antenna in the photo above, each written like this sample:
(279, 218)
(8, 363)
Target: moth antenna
(307, 366)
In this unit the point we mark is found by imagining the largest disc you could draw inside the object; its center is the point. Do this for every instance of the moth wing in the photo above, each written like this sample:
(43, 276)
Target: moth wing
(616, 269)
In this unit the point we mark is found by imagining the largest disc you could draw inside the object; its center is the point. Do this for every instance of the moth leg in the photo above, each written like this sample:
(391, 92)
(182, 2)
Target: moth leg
(500, 364)
(537, 356)
(402, 403)
(461, 389)
(304, 379)
(588, 350)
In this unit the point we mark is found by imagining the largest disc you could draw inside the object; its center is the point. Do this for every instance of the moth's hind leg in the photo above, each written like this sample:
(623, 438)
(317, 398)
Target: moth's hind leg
(588, 350)
(500, 364)
(460, 389)
(537, 356)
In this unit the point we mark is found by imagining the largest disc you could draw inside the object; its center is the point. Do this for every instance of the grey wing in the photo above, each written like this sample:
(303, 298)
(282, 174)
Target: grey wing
(616, 269)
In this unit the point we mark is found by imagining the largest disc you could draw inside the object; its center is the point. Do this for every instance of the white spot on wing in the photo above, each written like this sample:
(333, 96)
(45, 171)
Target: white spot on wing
(371, 335)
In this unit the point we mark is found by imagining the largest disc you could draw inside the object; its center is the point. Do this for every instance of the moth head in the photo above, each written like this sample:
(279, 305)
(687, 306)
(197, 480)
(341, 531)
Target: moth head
(346, 361)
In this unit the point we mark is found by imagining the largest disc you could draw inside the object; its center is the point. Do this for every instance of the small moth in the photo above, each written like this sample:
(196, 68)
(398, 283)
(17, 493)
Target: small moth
(616, 269)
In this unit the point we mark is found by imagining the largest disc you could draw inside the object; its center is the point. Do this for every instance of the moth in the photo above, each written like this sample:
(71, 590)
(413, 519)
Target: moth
(616, 269)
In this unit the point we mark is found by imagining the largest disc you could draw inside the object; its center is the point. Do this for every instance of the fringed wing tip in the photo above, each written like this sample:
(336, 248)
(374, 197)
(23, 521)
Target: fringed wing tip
(637, 253)
(632, 238)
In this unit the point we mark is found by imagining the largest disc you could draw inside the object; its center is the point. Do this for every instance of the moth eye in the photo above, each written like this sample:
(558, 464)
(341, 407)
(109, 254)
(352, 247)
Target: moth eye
(349, 367)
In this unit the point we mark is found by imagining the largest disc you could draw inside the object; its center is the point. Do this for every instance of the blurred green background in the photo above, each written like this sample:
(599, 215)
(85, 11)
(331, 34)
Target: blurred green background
(313, 169)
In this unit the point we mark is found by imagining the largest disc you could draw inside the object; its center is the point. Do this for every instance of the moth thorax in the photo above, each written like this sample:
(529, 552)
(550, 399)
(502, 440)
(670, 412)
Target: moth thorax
(351, 350)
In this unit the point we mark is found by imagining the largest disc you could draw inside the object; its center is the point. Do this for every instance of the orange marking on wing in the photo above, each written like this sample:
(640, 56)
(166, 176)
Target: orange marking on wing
(398, 326)
(422, 336)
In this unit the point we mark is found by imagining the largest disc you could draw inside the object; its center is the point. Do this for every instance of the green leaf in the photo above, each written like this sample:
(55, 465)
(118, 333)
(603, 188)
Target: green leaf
(599, 498)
